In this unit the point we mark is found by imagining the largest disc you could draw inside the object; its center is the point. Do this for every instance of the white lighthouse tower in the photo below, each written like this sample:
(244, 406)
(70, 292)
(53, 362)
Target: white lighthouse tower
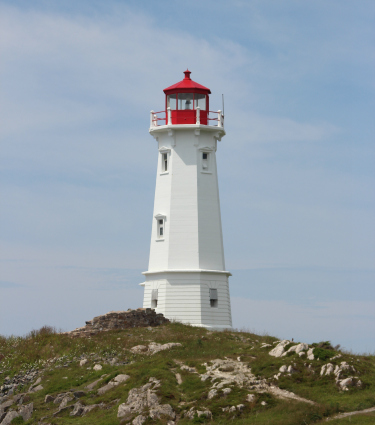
(186, 278)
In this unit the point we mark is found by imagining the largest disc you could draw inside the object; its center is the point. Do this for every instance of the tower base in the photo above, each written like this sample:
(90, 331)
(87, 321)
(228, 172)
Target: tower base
(188, 296)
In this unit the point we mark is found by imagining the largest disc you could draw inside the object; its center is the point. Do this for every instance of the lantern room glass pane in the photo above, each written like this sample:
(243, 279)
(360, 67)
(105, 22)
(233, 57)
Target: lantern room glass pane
(171, 102)
(185, 100)
(200, 100)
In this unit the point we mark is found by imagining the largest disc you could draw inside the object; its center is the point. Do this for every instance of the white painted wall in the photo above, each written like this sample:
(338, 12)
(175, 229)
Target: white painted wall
(190, 258)
(184, 296)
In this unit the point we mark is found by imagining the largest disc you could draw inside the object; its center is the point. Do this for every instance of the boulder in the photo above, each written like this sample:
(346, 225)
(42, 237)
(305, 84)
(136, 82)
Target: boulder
(279, 350)
(26, 411)
(139, 399)
(138, 349)
(298, 348)
(121, 378)
(59, 398)
(192, 412)
(65, 401)
(162, 410)
(91, 386)
(291, 369)
(188, 369)
(212, 394)
(79, 394)
(35, 389)
(106, 388)
(9, 417)
(250, 398)
(155, 348)
(98, 367)
(115, 381)
(48, 398)
(327, 369)
(78, 409)
(345, 383)
(179, 379)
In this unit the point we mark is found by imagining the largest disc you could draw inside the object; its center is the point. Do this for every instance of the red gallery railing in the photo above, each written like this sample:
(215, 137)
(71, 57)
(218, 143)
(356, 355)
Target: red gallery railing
(154, 119)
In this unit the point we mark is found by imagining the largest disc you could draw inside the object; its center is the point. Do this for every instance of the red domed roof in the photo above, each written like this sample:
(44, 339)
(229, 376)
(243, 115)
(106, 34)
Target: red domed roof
(187, 85)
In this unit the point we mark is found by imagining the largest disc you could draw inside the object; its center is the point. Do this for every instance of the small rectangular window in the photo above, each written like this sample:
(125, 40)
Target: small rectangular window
(205, 161)
(154, 298)
(213, 298)
(161, 229)
(164, 162)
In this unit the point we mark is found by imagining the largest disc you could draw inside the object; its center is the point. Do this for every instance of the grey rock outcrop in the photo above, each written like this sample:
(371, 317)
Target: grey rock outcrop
(154, 348)
(193, 412)
(113, 383)
(141, 317)
(9, 417)
(143, 399)
(26, 411)
(279, 350)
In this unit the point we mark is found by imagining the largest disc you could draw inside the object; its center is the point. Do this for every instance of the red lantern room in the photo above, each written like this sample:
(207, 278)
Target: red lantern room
(188, 102)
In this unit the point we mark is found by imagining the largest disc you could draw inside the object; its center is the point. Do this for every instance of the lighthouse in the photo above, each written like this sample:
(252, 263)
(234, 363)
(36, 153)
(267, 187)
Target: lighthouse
(186, 278)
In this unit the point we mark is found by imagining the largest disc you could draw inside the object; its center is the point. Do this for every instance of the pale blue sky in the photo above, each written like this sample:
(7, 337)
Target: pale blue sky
(296, 169)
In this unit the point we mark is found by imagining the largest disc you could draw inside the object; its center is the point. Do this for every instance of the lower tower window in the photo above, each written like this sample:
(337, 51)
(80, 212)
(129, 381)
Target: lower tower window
(160, 227)
(213, 297)
(154, 298)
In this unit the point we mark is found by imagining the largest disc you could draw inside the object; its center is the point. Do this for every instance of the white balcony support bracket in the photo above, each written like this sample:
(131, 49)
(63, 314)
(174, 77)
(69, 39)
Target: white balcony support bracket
(219, 122)
(169, 114)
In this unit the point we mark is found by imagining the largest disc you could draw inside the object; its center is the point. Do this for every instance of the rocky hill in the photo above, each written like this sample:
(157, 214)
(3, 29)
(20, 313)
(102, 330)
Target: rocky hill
(137, 368)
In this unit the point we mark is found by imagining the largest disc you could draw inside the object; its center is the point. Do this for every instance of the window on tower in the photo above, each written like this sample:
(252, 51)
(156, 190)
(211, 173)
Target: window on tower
(213, 298)
(154, 298)
(205, 161)
(161, 228)
(164, 162)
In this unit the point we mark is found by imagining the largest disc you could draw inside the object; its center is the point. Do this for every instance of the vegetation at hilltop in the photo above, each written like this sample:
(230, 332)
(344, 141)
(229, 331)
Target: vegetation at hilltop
(186, 378)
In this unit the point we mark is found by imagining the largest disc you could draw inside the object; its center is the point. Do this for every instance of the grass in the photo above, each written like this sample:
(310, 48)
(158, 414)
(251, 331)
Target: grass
(58, 356)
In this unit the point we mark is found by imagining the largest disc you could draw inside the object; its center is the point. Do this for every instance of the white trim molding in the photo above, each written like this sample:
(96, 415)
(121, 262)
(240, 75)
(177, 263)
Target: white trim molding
(187, 271)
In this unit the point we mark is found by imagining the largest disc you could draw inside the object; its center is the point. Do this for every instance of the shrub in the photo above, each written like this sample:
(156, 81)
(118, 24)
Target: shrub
(322, 354)
(43, 331)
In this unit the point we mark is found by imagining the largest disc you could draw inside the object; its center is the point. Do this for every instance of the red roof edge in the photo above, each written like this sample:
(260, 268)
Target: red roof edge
(187, 84)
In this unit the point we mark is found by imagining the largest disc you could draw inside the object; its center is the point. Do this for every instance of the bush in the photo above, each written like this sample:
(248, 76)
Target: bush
(322, 354)
(43, 331)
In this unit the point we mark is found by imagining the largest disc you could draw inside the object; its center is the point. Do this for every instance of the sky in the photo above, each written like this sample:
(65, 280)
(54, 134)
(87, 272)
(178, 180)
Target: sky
(296, 168)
